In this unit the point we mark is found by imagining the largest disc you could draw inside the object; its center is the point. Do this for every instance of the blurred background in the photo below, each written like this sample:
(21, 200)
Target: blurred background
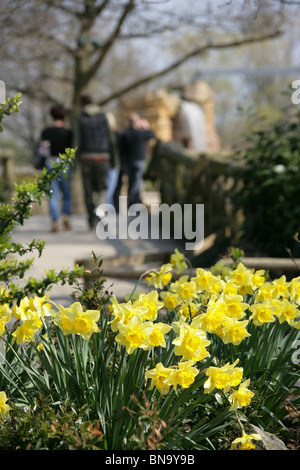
(235, 59)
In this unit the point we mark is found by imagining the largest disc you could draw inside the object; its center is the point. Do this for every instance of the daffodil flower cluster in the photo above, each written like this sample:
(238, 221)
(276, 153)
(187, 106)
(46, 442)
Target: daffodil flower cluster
(209, 304)
(225, 378)
(181, 314)
(28, 316)
(135, 322)
(163, 378)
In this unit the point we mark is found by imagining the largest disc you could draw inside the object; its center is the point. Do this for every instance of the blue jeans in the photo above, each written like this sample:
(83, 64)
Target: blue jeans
(60, 185)
(112, 181)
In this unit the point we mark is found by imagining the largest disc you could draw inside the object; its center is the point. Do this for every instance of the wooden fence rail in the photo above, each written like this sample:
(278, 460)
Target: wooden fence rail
(188, 178)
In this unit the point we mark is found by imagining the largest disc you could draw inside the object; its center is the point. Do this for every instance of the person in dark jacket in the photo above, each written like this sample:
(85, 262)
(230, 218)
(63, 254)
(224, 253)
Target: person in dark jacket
(95, 154)
(134, 148)
(58, 137)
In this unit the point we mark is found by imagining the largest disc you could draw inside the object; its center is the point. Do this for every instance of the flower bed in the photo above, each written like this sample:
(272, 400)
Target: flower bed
(172, 369)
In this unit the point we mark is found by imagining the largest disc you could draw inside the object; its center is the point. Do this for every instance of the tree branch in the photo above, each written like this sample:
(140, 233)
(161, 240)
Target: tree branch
(290, 2)
(69, 11)
(12, 9)
(110, 41)
(102, 7)
(185, 58)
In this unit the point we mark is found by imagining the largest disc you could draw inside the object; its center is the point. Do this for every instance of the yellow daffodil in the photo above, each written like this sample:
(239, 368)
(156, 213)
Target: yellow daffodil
(113, 308)
(245, 442)
(213, 318)
(135, 334)
(180, 280)
(85, 323)
(178, 261)
(294, 289)
(116, 310)
(186, 290)
(151, 302)
(156, 336)
(217, 287)
(124, 311)
(264, 292)
(257, 278)
(242, 277)
(169, 299)
(230, 288)
(280, 287)
(235, 307)
(241, 397)
(296, 325)
(191, 343)
(73, 320)
(42, 306)
(4, 294)
(233, 331)
(129, 311)
(223, 377)
(209, 321)
(4, 407)
(25, 310)
(159, 376)
(25, 332)
(184, 375)
(161, 278)
(113, 303)
(30, 307)
(286, 311)
(5, 316)
(206, 281)
(30, 311)
(262, 313)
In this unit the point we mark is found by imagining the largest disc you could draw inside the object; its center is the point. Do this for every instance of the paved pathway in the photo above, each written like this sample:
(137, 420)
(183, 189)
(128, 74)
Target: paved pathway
(64, 249)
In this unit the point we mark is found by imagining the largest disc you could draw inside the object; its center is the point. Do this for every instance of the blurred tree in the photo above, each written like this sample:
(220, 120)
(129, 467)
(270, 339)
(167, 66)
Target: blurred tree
(70, 42)
(53, 51)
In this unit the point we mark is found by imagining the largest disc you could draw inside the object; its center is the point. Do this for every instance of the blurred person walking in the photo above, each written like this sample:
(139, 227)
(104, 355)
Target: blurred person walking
(115, 163)
(58, 137)
(134, 150)
(96, 155)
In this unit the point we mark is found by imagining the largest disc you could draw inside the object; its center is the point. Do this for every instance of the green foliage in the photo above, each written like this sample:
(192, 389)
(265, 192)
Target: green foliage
(270, 194)
(45, 426)
(13, 214)
(11, 105)
(90, 293)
